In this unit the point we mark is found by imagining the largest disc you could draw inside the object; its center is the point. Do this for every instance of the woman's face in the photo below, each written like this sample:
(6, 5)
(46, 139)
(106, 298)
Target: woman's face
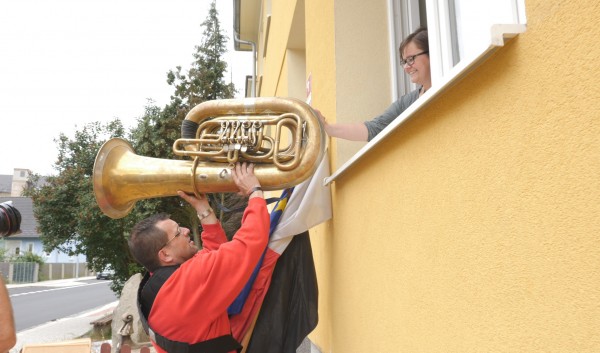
(419, 71)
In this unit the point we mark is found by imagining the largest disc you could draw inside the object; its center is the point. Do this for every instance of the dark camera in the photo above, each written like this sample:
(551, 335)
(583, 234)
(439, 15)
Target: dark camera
(10, 219)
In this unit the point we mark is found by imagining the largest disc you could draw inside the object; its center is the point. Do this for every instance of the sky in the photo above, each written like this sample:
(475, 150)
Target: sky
(66, 63)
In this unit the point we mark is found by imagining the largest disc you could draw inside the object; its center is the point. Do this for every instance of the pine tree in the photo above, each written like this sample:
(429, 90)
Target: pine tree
(205, 79)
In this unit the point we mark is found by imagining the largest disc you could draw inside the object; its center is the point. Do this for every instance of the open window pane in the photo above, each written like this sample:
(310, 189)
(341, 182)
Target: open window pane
(474, 18)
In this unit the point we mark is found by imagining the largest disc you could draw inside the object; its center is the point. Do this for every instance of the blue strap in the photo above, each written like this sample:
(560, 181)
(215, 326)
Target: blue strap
(238, 303)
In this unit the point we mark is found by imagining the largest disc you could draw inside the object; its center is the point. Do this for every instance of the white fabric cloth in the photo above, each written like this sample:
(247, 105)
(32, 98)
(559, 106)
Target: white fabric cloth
(309, 206)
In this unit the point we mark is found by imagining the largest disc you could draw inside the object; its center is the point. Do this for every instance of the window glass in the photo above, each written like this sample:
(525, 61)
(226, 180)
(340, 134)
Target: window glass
(474, 19)
(461, 29)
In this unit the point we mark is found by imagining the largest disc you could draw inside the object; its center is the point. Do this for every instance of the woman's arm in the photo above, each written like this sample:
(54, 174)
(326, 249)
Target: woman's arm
(352, 131)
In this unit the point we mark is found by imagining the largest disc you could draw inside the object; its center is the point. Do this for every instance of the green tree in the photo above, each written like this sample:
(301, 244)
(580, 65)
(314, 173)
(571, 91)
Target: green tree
(205, 79)
(66, 209)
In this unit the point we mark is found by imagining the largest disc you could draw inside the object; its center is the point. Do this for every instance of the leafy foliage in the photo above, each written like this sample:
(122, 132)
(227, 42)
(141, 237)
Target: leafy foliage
(29, 257)
(66, 209)
(3, 253)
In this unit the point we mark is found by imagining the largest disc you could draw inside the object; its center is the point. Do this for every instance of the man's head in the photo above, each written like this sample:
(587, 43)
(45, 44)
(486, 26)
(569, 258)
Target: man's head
(159, 241)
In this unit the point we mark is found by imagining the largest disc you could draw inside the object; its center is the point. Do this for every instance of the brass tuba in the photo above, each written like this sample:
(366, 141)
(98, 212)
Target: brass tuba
(282, 136)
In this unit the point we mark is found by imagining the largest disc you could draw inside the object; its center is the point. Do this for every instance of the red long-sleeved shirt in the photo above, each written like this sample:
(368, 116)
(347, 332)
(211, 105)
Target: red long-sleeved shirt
(192, 305)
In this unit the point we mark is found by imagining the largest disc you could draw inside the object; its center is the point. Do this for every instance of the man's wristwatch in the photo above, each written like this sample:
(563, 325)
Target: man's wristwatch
(254, 189)
(205, 214)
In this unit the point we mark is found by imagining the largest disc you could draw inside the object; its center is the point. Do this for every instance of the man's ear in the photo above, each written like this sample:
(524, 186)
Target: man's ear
(165, 257)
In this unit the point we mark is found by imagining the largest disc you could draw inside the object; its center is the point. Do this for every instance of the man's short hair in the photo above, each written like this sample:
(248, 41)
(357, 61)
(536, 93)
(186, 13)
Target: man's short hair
(146, 240)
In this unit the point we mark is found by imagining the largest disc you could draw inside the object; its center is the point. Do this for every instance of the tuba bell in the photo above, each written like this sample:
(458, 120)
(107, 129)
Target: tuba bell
(282, 136)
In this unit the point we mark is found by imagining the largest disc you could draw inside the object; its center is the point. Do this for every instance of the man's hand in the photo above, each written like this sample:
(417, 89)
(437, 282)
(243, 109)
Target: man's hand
(199, 204)
(244, 178)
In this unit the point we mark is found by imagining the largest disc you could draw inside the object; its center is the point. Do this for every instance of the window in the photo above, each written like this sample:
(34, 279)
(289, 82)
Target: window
(458, 29)
(30, 247)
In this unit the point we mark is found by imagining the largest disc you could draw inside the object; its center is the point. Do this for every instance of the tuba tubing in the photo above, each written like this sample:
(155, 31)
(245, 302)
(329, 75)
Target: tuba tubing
(121, 177)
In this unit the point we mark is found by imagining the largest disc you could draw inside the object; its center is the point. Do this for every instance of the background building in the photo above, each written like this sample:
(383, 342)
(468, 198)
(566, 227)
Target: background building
(29, 240)
(471, 224)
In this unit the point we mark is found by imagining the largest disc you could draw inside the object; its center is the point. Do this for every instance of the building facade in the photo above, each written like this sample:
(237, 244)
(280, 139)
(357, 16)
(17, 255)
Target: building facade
(471, 223)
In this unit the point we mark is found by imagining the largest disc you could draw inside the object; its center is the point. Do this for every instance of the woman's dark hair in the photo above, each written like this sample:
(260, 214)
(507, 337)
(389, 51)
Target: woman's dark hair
(419, 37)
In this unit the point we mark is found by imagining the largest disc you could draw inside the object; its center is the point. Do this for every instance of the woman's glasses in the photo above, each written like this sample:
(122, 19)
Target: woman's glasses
(410, 60)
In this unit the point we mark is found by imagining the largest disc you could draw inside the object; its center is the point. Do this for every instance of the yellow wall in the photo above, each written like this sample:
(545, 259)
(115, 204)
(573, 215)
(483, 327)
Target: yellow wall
(271, 66)
(362, 66)
(320, 63)
(474, 227)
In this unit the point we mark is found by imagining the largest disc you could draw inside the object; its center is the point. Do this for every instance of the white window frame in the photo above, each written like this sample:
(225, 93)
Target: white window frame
(442, 56)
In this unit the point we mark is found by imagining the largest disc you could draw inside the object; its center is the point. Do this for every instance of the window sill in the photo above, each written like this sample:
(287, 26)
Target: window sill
(500, 33)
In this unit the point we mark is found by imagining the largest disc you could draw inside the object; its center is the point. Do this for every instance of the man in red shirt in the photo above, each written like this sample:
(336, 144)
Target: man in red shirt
(185, 300)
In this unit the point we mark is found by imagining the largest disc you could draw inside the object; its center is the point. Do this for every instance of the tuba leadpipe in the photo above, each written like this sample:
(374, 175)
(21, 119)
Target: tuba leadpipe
(215, 134)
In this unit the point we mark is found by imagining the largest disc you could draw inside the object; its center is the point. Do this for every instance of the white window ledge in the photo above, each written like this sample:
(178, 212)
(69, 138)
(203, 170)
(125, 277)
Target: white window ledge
(499, 34)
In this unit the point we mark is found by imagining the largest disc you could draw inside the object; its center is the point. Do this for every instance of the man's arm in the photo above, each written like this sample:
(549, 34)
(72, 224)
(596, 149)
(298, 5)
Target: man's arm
(211, 280)
(233, 263)
(213, 235)
(8, 338)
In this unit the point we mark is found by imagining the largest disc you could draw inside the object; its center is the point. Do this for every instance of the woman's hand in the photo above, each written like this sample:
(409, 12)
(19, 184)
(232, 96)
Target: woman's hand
(323, 120)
